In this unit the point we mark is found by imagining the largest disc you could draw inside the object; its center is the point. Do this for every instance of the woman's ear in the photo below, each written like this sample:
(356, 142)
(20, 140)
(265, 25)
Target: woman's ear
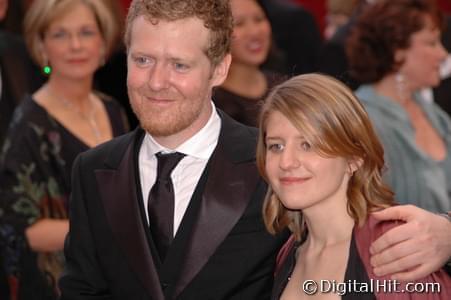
(354, 165)
(44, 58)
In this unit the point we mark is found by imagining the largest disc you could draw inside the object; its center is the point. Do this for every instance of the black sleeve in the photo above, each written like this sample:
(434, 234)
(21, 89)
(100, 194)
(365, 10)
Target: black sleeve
(82, 277)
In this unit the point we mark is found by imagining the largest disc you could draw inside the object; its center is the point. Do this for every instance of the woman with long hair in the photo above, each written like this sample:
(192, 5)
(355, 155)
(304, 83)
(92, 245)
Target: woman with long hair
(323, 161)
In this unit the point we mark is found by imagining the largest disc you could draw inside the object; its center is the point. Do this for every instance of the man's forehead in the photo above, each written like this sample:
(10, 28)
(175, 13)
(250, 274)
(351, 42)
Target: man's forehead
(176, 23)
(187, 30)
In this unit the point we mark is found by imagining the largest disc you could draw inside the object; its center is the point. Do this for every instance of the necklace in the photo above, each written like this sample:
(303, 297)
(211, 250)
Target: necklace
(88, 117)
(401, 90)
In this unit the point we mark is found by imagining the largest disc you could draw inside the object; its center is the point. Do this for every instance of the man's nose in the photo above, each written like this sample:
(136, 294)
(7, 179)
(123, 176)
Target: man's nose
(158, 77)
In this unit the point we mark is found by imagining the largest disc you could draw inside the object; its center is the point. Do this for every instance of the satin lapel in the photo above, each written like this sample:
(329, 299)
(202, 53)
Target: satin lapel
(118, 193)
(223, 203)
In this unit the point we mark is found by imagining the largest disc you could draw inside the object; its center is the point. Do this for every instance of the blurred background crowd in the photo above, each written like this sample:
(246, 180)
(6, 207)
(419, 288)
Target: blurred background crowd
(63, 90)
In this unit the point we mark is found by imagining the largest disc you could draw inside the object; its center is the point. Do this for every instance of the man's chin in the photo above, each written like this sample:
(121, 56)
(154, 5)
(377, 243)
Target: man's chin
(162, 130)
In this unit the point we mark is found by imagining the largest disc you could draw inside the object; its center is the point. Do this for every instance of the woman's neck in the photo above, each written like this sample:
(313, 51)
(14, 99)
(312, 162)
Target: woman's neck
(76, 92)
(328, 224)
(398, 90)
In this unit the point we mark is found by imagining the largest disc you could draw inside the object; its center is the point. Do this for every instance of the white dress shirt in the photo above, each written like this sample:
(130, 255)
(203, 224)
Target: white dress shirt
(188, 171)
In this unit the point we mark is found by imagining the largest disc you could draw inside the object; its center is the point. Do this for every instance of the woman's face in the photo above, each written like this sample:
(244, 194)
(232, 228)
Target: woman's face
(74, 45)
(298, 175)
(423, 57)
(251, 33)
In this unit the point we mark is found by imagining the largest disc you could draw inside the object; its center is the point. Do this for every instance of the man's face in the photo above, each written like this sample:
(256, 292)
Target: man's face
(170, 78)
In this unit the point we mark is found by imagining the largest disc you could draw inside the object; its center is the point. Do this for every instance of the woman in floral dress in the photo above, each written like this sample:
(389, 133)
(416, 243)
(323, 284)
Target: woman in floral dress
(48, 130)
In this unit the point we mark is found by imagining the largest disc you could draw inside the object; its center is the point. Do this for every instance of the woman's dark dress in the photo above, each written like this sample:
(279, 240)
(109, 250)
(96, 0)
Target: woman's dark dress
(244, 109)
(355, 270)
(35, 182)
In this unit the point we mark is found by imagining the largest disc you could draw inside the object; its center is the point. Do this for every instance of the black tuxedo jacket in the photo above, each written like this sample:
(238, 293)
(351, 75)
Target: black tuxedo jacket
(227, 253)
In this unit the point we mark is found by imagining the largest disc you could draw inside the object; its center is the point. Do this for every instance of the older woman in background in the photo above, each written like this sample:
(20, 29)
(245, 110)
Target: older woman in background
(242, 93)
(72, 38)
(395, 49)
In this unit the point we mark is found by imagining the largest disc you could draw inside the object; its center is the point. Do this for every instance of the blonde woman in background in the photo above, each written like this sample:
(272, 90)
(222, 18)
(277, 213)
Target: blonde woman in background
(49, 129)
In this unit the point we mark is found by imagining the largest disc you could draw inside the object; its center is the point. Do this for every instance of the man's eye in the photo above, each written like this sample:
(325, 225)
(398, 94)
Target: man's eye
(181, 67)
(275, 147)
(141, 60)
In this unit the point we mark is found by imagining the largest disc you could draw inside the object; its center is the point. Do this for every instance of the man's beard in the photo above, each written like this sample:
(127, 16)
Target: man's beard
(166, 122)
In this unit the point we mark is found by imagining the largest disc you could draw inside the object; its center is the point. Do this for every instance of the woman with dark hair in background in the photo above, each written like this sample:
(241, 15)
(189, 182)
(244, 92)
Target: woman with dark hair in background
(70, 39)
(395, 49)
(242, 93)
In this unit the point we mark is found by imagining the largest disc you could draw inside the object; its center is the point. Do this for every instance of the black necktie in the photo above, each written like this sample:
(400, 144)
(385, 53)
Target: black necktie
(161, 202)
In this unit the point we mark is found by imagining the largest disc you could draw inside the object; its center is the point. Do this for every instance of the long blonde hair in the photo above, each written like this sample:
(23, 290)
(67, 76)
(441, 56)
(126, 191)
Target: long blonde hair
(334, 121)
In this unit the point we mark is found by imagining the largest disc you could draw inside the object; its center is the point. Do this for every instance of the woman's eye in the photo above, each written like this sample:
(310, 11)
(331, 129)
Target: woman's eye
(306, 146)
(275, 147)
(59, 35)
(238, 23)
(87, 33)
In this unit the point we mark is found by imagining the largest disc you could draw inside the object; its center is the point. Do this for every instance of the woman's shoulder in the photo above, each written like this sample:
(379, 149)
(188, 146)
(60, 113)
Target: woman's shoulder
(373, 228)
(27, 113)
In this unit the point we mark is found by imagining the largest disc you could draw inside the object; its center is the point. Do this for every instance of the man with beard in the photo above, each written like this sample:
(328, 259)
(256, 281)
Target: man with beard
(206, 240)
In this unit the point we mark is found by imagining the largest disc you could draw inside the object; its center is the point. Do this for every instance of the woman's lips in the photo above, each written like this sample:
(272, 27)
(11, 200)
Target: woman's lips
(293, 180)
(255, 47)
(77, 60)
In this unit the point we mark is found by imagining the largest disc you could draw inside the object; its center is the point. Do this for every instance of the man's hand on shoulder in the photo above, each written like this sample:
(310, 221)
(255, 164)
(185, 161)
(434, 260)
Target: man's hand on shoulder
(412, 250)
